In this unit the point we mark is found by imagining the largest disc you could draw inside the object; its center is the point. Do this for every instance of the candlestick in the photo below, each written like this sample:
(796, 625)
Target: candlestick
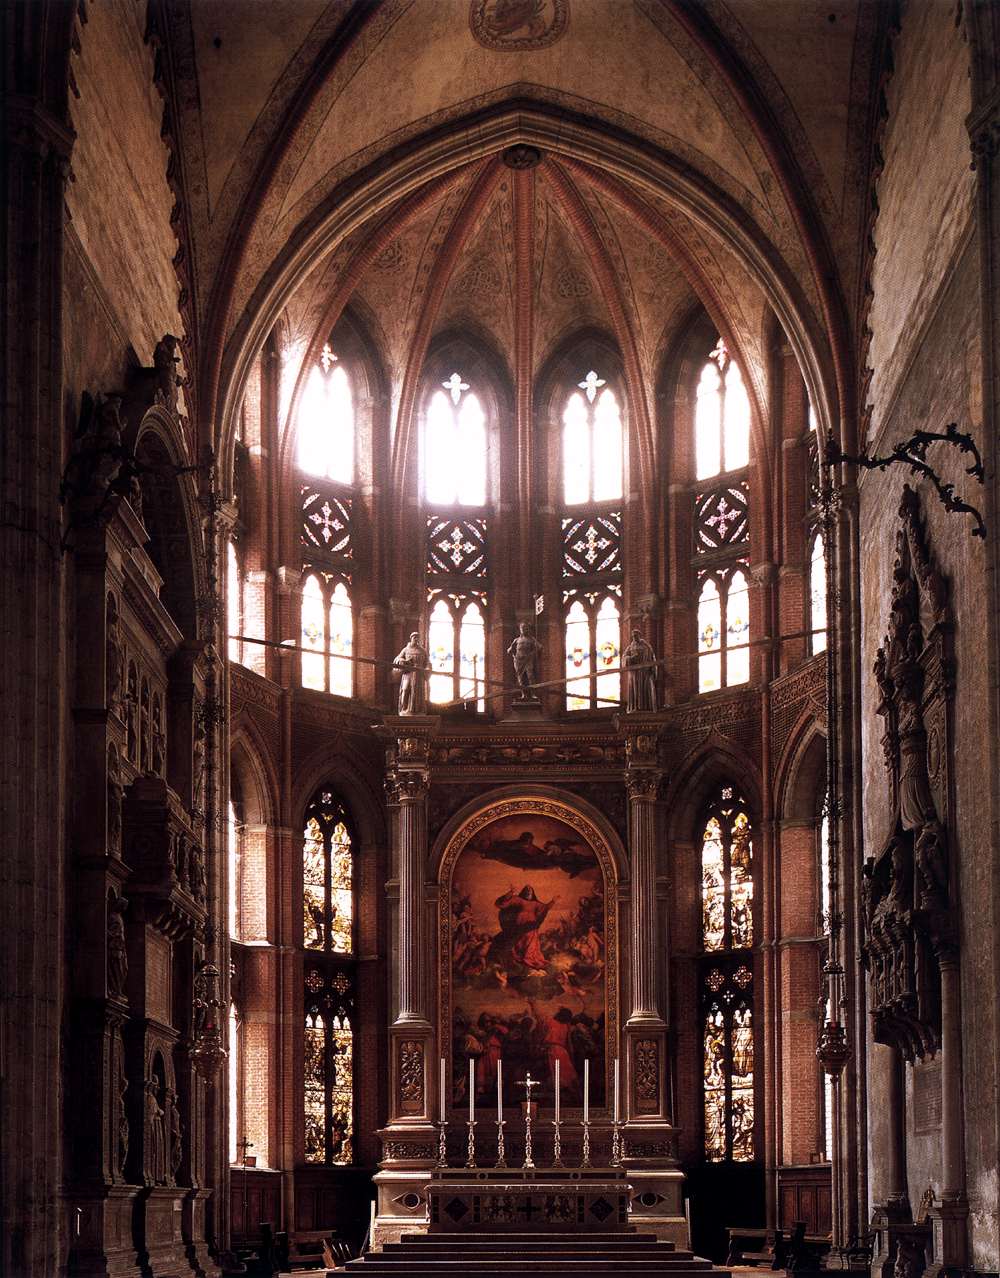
(501, 1151)
(442, 1143)
(470, 1160)
(616, 1144)
(528, 1084)
(586, 1091)
(616, 1090)
(441, 1090)
(585, 1159)
(472, 1089)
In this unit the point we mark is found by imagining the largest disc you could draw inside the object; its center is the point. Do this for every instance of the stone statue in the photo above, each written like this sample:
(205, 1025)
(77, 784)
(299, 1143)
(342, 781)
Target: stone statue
(156, 1137)
(198, 766)
(121, 1113)
(117, 952)
(176, 1137)
(196, 872)
(159, 741)
(114, 659)
(165, 361)
(525, 650)
(931, 858)
(412, 661)
(640, 674)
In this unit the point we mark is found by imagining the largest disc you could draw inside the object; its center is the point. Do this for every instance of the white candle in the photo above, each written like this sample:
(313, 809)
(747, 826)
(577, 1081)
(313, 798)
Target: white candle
(499, 1091)
(371, 1228)
(586, 1091)
(616, 1089)
(441, 1089)
(472, 1089)
(557, 1090)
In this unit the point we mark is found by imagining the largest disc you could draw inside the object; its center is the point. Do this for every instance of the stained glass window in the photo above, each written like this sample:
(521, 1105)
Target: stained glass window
(593, 635)
(326, 422)
(723, 629)
(817, 594)
(455, 441)
(234, 603)
(727, 874)
(327, 870)
(592, 443)
(328, 937)
(728, 1063)
(727, 932)
(722, 417)
(327, 638)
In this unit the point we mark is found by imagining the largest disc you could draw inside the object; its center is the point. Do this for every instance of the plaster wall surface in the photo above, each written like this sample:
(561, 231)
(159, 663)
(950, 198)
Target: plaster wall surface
(942, 386)
(925, 193)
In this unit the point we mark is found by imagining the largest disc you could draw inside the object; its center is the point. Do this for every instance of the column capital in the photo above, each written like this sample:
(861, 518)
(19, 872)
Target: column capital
(643, 784)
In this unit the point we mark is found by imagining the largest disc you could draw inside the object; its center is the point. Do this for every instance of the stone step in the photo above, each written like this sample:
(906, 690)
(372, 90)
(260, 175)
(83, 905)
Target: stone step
(553, 1252)
(584, 1239)
(515, 1266)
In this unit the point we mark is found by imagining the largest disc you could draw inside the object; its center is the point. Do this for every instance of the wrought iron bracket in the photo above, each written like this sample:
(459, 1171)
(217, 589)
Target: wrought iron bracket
(912, 452)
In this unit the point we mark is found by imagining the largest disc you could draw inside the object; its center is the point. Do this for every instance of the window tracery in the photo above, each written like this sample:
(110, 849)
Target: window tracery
(327, 638)
(817, 594)
(234, 602)
(329, 981)
(723, 628)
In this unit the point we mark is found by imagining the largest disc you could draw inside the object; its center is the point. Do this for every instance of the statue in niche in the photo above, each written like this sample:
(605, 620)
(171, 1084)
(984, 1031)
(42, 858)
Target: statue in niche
(121, 1114)
(412, 662)
(176, 1135)
(156, 1137)
(915, 803)
(198, 766)
(196, 872)
(639, 661)
(159, 742)
(114, 657)
(526, 651)
(114, 789)
(165, 361)
(117, 951)
(931, 858)
(900, 898)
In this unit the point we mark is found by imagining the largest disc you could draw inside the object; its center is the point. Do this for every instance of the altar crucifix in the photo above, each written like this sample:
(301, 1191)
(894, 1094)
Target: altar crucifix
(528, 1083)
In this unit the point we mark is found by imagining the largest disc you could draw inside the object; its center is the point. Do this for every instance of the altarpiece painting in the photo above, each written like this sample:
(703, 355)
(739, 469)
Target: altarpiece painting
(530, 960)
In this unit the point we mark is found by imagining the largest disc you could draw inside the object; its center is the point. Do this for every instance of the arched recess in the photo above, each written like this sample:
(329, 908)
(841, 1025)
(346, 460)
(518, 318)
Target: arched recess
(715, 761)
(584, 857)
(251, 822)
(801, 772)
(484, 134)
(171, 515)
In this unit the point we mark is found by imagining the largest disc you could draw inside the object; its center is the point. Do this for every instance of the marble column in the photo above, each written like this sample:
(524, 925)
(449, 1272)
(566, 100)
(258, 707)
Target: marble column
(893, 1211)
(411, 1033)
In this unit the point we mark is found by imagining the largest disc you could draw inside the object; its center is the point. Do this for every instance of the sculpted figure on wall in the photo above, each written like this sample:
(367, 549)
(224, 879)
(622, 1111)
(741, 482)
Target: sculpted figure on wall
(525, 650)
(639, 661)
(117, 954)
(412, 662)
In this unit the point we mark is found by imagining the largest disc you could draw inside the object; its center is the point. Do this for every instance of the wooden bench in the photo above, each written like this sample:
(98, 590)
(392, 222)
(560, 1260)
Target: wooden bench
(774, 1248)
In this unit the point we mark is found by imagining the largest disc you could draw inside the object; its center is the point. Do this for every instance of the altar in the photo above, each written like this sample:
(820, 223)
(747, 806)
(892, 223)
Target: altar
(528, 1200)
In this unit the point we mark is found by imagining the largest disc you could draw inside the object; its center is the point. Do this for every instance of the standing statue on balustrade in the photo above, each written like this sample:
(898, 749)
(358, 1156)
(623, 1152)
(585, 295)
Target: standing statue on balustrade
(639, 662)
(526, 651)
(412, 662)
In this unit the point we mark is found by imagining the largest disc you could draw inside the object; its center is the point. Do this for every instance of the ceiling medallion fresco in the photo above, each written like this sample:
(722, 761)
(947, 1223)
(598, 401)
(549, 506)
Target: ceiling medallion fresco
(518, 25)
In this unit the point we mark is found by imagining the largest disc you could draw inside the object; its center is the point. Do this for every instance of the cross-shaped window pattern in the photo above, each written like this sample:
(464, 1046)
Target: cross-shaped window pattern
(454, 454)
(727, 930)
(329, 979)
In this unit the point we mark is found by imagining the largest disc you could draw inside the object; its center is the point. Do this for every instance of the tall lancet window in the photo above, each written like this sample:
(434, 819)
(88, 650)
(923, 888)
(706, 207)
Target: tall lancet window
(592, 476)
(329, 977)
(722, 417)
(326, 435)
(454, 446)
(723, 629)
(592, 443)
(234, 602)
(326, 422)
(727, 932)
(817, 594)
(455, 480)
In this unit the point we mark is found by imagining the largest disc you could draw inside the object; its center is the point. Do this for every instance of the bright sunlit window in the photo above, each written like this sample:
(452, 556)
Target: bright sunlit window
(722, 417)
(455, 446)
(592, 443)
(326, 422)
